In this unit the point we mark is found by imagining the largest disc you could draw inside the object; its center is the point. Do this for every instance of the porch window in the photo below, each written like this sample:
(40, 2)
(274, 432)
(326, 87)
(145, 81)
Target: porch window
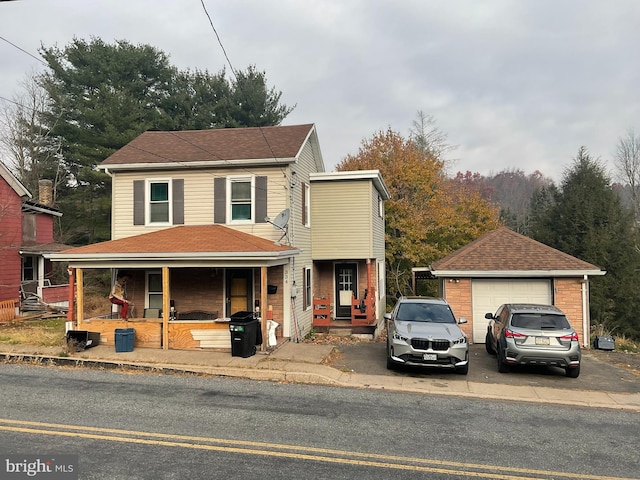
(28, 269)
(154, 289)
(307, 288)
(241, 199)
(159, 207)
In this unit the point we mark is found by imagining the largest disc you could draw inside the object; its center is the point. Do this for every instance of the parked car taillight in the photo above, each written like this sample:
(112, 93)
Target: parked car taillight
(572, 336)
(511, 334)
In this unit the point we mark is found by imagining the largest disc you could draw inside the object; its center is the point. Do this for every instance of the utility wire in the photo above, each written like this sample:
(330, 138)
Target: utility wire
(218, 37)
(24, 51)
(237, 83)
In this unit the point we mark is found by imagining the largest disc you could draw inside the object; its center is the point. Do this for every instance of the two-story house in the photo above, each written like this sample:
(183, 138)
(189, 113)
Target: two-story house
(212, 223)
(26, 236)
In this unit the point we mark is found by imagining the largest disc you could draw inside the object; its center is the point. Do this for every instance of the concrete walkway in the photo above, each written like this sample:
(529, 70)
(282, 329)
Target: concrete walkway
(305, 363)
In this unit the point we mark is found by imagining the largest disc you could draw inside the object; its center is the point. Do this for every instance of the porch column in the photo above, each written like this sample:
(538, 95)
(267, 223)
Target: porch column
(263, 307)
(40, 272)
(165, 308)
(71, 297)
(80, 300)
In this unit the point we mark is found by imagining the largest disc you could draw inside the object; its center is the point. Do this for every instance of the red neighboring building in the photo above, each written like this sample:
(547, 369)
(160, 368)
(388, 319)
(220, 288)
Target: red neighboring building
(26, 233)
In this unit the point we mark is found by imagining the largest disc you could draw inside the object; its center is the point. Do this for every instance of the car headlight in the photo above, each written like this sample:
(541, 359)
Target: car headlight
(397, 336)
(460, 341)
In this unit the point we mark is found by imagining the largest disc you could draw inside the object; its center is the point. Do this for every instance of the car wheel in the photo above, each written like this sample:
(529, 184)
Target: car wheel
(463, 370)
(390, 363)
(489, 345)
(572, 372)
(502, 365)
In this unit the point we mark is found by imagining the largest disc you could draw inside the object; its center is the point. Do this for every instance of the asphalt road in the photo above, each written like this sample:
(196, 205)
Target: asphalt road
(595, 374)
(126, 425)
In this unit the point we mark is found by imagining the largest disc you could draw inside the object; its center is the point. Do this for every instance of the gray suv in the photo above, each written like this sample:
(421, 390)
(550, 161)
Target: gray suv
(422, 331)
(529, 334)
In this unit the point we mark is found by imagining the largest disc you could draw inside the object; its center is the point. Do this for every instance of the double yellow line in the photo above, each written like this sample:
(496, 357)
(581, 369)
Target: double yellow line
(296, 452)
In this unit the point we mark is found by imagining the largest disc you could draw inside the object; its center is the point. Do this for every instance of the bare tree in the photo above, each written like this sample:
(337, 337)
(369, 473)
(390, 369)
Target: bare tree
(428, 138)
(31, 152)
(627, 163)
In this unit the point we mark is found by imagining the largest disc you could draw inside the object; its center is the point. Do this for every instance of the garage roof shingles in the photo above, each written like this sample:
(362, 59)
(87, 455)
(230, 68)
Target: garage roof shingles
(215, 145)
(505, 250)
(184, 239)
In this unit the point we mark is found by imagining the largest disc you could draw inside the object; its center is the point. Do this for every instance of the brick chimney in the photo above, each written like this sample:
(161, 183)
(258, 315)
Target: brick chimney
(45, 192)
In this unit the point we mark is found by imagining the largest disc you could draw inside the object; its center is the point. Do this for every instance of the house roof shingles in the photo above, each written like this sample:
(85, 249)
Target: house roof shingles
(504, 250)
(215, 145)
(194, 239)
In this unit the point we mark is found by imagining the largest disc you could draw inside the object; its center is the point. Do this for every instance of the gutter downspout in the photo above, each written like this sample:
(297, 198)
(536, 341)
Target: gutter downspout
(585, 313)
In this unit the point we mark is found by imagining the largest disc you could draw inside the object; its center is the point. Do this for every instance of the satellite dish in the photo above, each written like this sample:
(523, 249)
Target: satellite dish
(281, 222)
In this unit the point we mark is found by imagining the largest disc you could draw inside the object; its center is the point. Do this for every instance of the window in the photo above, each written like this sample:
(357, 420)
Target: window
(159, 206)
(380, 207)
(154, 289)
(306, 204)
(307, 288)
(28, 269)
(241, 200)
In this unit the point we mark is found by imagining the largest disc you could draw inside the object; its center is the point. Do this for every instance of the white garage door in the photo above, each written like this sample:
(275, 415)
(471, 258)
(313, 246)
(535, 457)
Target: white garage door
(488, 295)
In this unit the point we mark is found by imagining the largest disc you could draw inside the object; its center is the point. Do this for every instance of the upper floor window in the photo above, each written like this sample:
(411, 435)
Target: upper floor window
(159, 206)
(241, 200)
(158, 201)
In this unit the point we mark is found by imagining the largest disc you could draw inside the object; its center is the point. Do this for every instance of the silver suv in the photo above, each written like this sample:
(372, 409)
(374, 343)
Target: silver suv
(529, 334)
(422, 331)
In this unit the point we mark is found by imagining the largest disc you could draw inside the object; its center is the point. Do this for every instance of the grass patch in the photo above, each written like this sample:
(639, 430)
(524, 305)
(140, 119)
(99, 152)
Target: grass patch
(40, 332)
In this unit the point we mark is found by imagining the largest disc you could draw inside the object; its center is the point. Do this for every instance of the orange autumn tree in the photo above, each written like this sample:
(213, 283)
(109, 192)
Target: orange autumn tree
(428, 215)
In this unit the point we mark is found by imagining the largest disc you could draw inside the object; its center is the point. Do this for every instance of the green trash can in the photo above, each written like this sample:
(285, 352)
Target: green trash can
(124, 339)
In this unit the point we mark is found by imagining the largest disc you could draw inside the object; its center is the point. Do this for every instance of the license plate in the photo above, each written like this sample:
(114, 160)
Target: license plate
(542, 340)
(429, 356)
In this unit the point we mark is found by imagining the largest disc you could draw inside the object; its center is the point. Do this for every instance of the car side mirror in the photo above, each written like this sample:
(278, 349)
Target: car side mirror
(387, 316)
(488, 316)
(462, 320)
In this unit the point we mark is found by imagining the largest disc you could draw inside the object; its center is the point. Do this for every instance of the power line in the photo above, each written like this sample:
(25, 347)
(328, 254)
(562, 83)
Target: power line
(219, 41)
(24, 51)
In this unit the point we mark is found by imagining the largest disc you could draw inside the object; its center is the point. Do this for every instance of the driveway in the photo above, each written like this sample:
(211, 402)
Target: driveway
(595, 373)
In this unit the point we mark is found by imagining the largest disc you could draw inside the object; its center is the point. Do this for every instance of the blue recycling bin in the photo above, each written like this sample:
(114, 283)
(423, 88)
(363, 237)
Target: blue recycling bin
(124, 339)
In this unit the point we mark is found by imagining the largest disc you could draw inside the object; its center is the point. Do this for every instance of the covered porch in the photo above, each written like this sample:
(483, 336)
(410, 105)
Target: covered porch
(184, 294)
(345, 295)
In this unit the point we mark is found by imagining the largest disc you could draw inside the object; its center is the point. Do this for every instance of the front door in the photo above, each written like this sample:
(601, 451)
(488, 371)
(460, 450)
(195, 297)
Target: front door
(239, 291)
(346, 286)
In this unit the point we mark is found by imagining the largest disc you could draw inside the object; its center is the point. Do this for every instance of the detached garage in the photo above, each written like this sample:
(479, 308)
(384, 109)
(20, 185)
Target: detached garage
(505, 267)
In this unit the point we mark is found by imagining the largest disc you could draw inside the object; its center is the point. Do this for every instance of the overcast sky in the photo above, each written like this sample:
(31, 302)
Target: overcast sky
(514, 84)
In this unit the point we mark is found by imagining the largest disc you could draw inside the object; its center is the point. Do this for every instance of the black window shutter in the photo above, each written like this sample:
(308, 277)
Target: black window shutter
(178, 201)
(261, 199)
(219, 200)
(138, 202)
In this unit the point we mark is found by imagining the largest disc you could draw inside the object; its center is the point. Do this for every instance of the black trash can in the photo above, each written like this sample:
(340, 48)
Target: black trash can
(243, 327)
(81, 339)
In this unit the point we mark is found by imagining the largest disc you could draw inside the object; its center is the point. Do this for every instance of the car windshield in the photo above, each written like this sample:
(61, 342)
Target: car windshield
(425, 312)
(539, 321)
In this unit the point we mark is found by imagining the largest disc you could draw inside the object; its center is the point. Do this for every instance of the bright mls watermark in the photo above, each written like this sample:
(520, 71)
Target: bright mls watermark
(50, 467)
